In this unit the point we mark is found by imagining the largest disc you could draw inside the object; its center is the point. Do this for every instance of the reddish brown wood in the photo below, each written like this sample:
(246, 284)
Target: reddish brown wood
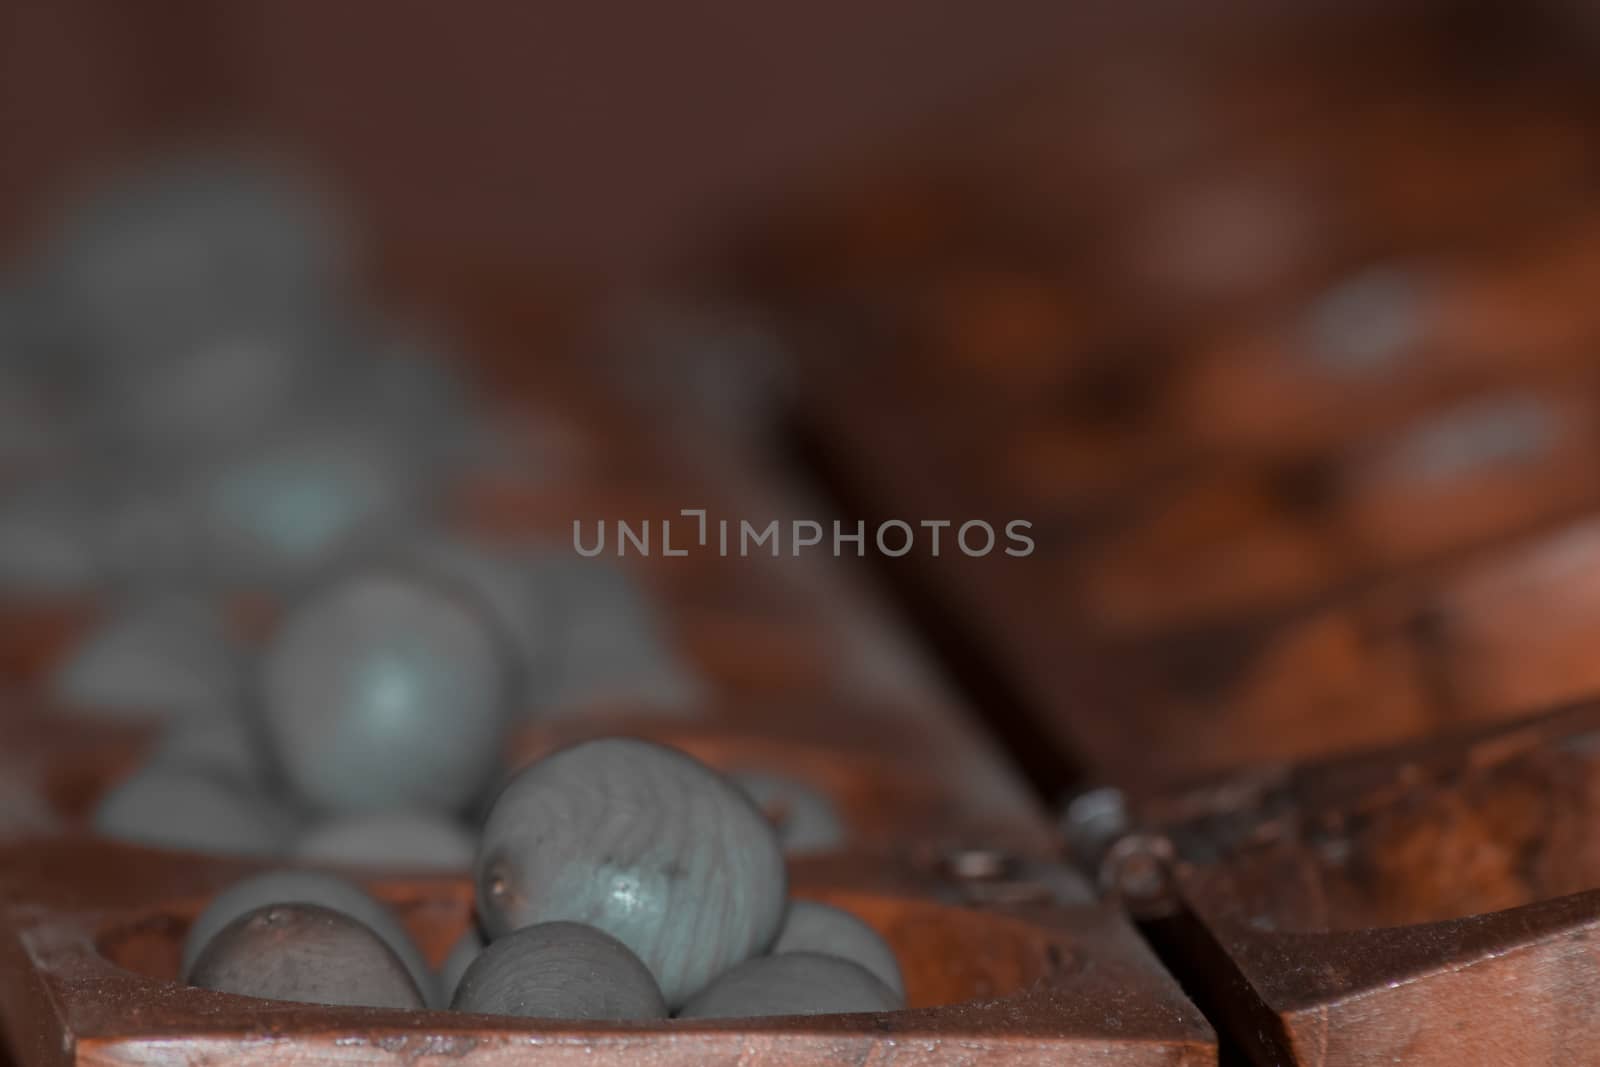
(1217, 547)
(1089, 222)
(1431, 904)
(1248, 615)
(1235, 543)
(1142, 164)
(1492, 313)
(1486, 635)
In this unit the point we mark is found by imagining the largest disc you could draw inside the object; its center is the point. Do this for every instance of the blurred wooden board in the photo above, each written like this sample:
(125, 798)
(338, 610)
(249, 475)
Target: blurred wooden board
(1391, 907)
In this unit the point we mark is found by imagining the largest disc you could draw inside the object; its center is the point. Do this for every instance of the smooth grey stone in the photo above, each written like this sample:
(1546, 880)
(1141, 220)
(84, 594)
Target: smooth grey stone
(610, 644)
(1367, 321)
(50, 542)
(292, 504)
(386, 690)
(18, 342)
(462, 953)
(399, 840)
(559, 970)
(161, 654)
(149, 539)
(412, 383)
(644, 843)
(305, 953)
(171, 807)
(581, 642)
(325, 890)
(1514, 428)
(504, 581)
(221, 393)
(806, 819)
(40, 425)
(34, 433)
(222, 743)
(166, 256)
(829, 931)
(796, 983)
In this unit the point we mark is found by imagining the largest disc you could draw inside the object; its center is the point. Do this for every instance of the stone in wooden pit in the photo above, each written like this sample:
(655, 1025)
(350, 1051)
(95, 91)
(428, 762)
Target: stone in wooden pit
(462, 954)
(797, 983)
(178, 251)
(811, 926)
(305, 953)
(387, 690)
(221, 742)
(644, 843)
(50, 543)
(155, 655)
(179, 807)
(322, 889)
(560, 970)
(806, 819)
(609, 647)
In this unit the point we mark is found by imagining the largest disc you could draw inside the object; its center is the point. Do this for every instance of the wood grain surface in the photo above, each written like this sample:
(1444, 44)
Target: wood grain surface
(1047, 977)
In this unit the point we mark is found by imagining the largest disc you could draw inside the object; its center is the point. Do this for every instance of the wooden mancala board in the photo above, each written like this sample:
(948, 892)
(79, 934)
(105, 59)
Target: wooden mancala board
(1229, 509)
(1337, 581)
(1432, 903)
(1009, 955)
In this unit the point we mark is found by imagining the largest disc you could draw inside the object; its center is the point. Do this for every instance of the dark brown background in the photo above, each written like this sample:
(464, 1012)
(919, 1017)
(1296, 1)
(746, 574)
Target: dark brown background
(590, 135)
